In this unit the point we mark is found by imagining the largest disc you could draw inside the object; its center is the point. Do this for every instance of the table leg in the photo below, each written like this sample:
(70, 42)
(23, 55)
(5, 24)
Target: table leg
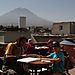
(32, 72)
(35, 71)
(41, 69)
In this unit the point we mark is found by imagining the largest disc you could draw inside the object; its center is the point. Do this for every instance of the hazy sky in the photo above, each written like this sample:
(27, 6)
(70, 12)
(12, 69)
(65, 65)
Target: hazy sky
(53, 10)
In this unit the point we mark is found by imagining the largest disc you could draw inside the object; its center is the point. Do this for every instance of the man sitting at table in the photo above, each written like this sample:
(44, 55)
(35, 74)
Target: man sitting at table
(16, 49)
(58, 59)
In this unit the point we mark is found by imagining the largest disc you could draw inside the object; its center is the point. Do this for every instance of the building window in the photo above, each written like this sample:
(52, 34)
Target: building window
(61, 28)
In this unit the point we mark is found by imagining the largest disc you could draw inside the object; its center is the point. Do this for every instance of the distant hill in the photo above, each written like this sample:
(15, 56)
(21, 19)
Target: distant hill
(12, 17)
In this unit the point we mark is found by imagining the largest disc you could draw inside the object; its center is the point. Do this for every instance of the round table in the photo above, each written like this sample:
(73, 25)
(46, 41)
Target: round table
(39, 64)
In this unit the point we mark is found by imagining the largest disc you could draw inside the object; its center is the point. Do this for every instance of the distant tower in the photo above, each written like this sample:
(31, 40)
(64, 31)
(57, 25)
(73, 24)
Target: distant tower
(22, 22)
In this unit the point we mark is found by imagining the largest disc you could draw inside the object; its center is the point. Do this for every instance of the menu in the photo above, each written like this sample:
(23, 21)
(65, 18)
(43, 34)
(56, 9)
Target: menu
(28, 59)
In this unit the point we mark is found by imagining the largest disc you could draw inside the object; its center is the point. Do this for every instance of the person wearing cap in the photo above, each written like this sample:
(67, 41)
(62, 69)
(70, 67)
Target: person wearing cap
(57, 58)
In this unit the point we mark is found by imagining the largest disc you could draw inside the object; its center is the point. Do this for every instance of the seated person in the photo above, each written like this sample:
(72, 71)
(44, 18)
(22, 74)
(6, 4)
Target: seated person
(16, 49)
(68, 62)
(58, 58)
(30, 47)
(49, 44)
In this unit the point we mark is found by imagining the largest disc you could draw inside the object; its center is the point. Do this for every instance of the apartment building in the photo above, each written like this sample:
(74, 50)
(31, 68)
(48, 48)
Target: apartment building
(63, 28)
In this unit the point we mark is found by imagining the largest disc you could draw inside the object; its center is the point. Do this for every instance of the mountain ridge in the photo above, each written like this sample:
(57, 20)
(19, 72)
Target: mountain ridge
(12, 17)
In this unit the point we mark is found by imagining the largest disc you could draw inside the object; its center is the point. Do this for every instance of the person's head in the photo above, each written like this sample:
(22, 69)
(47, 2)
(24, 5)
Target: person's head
(56, 46)
(21, 40)
(50, 42)
(30, 41)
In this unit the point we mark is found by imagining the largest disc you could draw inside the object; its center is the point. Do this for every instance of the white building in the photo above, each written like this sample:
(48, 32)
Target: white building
(22, 22)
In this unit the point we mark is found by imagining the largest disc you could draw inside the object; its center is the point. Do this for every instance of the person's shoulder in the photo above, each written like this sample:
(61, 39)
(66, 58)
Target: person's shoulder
(29, 45)
(61, 53)
(52, 53)
(11, 44)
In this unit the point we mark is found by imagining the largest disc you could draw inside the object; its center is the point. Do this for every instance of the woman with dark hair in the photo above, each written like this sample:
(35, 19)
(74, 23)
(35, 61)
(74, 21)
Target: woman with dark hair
(49, 44)
(30, 46)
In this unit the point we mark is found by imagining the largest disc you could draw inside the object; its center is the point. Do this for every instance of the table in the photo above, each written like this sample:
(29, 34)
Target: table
(35, 63)
(41, 50)
(39, 64)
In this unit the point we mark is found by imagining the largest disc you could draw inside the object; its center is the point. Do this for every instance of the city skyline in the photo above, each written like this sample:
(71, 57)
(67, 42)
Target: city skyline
(52, 10)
